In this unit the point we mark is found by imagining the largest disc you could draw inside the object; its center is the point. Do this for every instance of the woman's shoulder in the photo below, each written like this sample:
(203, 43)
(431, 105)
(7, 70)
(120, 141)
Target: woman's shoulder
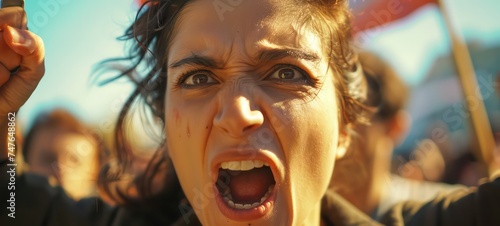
(474, 206)
(35, 202)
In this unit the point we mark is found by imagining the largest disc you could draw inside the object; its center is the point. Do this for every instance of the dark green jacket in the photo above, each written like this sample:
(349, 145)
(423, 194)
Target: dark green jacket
(39, 204)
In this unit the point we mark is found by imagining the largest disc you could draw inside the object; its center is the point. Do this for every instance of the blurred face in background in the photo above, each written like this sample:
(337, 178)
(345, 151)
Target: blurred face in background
(251, 115)
(66, 157)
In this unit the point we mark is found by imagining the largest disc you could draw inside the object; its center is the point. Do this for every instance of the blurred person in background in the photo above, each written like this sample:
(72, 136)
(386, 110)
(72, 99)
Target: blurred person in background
(62, 148)
(374, 189)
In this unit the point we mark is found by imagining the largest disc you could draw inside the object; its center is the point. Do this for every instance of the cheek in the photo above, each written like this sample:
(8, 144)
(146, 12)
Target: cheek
(173, 123)
(314, 149)
(186, 141)
(185, 129)
(310, 146)
(312, 129)
(176, 129)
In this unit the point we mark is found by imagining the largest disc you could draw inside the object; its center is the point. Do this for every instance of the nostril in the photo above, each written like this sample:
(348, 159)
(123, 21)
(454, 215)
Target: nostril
(238, 118)
(250, 127)
(255, 119)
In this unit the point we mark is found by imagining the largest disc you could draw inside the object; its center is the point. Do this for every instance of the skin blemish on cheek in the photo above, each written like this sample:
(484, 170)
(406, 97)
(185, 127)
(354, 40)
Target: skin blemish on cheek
(188, 131)
(177, 117)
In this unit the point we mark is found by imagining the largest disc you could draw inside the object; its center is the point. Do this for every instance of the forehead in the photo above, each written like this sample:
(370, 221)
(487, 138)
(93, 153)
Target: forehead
(218, 28)
(57, 140)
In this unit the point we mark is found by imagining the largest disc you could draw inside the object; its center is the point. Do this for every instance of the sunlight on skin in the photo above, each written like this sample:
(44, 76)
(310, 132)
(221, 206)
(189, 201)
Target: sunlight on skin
(236, 104)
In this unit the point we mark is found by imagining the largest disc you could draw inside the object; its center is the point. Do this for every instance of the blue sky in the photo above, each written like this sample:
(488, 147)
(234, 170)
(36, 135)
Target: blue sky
(78, 34)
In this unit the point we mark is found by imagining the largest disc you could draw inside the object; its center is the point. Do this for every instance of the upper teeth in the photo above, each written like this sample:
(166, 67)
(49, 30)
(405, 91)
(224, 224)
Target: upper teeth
(243, 165)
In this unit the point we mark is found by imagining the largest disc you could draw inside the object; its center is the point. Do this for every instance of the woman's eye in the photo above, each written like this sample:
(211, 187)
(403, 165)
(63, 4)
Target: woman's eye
(199, 79)
(287, 73)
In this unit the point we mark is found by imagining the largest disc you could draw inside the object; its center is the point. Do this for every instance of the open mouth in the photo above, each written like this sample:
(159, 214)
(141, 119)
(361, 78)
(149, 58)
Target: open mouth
(245, 185)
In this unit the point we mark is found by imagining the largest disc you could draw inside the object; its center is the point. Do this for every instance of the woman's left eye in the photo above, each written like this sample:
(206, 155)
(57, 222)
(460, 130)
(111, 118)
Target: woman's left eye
(199, 78)
(287, 73)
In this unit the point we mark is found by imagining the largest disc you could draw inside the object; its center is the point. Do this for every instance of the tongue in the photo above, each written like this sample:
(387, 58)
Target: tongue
(250, 186)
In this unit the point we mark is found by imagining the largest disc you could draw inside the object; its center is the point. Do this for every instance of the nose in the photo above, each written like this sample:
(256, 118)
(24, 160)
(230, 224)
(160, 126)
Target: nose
(238, 116)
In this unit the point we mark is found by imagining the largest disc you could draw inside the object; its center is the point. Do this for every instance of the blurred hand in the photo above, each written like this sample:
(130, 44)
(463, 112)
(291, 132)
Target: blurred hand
(21, 60)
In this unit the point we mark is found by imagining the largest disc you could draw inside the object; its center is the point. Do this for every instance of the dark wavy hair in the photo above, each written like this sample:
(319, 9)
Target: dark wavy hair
(145, 65)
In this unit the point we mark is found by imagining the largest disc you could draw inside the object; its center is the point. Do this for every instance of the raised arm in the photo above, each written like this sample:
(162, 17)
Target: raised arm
(21, 68)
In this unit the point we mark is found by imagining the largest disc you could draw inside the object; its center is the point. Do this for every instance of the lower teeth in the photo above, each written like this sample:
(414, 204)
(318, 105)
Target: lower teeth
(229, 199)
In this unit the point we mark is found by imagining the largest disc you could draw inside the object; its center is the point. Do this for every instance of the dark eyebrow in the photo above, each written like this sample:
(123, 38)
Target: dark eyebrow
(195, 59)
(277, 54)
(264, 56)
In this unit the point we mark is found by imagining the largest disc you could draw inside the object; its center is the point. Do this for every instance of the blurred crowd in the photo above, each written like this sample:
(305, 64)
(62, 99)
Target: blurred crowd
(69, 152)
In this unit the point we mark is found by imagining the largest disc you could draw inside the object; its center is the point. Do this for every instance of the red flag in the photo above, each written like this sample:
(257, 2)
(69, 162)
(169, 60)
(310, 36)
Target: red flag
(140, 2)
(374, 13)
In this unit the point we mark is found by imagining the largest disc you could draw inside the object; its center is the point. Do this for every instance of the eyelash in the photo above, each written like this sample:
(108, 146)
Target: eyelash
(278, 67)
(274, 69)
(186, 75)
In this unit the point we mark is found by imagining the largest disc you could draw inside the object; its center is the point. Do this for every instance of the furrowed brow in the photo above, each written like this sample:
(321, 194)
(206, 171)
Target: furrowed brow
(195, 60)
(264, 56)
(277, 54)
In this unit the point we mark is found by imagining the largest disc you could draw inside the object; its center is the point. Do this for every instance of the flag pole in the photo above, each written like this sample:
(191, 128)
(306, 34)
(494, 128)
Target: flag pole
(465, 70)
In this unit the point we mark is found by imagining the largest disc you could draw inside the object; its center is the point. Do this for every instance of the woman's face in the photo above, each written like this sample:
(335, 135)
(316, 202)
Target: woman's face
(68, 157)
(251, 114)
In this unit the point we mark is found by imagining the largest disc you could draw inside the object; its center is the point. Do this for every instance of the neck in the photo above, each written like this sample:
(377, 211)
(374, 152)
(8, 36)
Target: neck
(366, 190)
(314, 217)
(378, 174)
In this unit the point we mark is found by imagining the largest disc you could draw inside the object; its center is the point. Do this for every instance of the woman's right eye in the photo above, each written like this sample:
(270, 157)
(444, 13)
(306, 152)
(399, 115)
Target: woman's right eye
(198, 78)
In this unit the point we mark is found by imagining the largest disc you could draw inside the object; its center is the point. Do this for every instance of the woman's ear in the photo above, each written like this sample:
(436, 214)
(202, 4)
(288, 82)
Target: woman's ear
(344, 143)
